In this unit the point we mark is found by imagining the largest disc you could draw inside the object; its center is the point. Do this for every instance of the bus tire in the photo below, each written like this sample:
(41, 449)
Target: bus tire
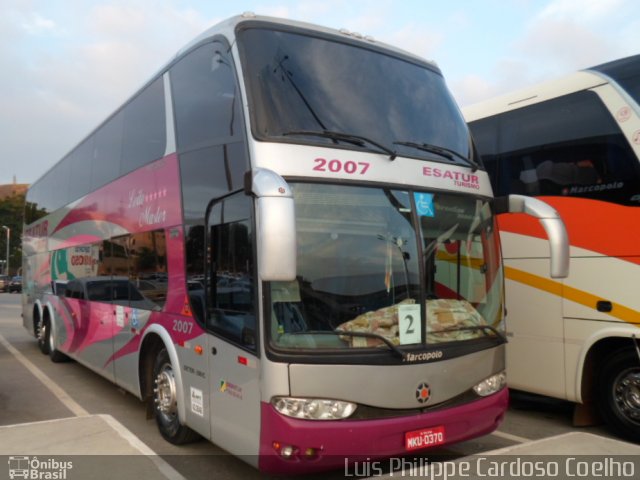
(42, 336)
(618, 393)
(165, 400)
(55, 355)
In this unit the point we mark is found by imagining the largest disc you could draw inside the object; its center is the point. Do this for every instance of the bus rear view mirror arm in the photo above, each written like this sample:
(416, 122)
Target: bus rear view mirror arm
(550, 221)
(275, 223)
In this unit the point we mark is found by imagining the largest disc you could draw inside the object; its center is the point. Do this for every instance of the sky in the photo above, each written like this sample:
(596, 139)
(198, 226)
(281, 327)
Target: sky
(65, 65)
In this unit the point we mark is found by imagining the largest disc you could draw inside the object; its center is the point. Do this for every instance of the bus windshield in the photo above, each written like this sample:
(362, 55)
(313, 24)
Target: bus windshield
(367, 278)
(305, 89)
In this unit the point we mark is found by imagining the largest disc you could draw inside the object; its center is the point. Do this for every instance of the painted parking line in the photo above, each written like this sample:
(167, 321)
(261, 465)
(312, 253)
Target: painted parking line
(509, 436)
(53, 387)
(167, 470)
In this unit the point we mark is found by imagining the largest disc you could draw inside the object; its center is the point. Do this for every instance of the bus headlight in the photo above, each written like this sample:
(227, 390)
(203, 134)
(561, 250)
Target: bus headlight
(313, 408)
(491, 385)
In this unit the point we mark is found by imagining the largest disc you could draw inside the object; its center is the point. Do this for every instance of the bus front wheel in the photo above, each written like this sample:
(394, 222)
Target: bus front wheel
(166, 402)
(618, 393)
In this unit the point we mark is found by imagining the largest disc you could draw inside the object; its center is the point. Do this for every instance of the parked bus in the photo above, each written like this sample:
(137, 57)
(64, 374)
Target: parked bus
(285, 244)
(573, 142)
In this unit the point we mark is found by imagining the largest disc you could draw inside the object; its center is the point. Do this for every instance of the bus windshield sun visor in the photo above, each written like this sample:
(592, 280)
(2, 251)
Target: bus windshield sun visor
(358, 140)
(397, 351)
(491, 328)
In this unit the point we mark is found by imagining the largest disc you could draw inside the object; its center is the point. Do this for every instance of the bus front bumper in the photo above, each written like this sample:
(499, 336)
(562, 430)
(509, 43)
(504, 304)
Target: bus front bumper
(289, 445)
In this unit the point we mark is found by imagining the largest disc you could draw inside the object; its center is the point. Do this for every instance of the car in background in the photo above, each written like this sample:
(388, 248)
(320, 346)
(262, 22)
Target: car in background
(15, 285)
(4, 283)
(156, 292)
(117, 290)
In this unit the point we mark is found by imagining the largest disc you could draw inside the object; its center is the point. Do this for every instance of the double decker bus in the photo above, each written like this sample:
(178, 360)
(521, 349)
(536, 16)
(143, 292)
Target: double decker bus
(574, 142)
(284, 244)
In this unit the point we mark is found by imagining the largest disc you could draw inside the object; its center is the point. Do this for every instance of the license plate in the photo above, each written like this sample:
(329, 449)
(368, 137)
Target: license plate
(424, 438)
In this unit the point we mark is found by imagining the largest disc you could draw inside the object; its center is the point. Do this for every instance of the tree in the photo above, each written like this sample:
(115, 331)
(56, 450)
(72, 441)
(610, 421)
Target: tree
(11, 215)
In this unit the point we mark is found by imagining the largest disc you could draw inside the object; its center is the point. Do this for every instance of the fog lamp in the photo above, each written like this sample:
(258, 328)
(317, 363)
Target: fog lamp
(287, 452)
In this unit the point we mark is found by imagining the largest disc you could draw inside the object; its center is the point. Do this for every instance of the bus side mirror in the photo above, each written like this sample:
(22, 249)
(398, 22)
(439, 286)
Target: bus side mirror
(276, 225)
(552, 224)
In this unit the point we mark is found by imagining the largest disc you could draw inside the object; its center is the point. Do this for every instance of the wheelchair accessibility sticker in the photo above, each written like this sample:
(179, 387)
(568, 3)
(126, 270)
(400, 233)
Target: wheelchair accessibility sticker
(424, 204)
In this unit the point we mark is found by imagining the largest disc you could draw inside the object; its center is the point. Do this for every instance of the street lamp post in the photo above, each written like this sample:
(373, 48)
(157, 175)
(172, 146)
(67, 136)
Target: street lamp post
(8, 239)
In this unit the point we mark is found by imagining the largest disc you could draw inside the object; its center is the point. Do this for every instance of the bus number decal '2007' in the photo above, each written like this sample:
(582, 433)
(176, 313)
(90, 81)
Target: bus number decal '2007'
(336, 166)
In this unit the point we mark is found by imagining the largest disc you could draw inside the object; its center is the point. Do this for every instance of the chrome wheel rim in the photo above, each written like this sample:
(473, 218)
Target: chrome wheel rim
(52, 340)
(627, 394)
(42, 332)
(165, 392)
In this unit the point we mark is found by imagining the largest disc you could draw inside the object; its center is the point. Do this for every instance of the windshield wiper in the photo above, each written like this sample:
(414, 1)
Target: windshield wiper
(442, 151)
(358, 140)
(494, 330)
(384, 340)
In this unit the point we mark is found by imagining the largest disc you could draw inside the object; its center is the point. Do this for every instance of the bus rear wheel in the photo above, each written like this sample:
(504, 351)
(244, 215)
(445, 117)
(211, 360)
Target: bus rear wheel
(42, 335)
(166, 402)
(618, 393)
(55, 355)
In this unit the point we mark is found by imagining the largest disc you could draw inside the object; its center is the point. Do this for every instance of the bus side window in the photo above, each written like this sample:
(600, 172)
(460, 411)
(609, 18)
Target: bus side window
(211, 147)
(567, 146)
(74, 290)
(209, 127)
(79, 163)
(107, 152)
(205, 96)
(144, 130)
(230, 276)
(135, 266)
(148, 269)
(100, 291)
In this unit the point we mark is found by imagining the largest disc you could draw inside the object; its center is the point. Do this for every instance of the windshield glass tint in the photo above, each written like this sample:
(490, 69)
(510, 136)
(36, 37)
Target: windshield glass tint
(301, 83)
(359, 270)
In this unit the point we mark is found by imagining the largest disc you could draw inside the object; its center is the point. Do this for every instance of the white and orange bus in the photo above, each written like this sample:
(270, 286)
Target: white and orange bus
(575, 143)
(285, 245)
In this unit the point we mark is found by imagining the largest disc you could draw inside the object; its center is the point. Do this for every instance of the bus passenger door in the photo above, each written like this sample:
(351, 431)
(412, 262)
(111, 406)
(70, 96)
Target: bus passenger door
(232, 327)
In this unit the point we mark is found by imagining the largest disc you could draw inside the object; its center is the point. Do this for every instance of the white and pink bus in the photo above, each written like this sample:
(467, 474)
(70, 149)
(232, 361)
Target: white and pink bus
(284, 244)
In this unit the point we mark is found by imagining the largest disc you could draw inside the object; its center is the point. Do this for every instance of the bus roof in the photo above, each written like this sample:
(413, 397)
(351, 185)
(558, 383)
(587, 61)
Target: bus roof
(538, 93)
(227, 28)
(618, 70)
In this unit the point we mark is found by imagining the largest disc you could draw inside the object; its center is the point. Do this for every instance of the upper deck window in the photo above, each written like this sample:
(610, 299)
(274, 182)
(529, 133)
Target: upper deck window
(568, 146)
(302, 83)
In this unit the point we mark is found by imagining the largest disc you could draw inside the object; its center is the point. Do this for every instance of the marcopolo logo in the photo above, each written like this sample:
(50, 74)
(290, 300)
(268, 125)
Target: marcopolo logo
(424, 356)
(38, 469)
(423, 393)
